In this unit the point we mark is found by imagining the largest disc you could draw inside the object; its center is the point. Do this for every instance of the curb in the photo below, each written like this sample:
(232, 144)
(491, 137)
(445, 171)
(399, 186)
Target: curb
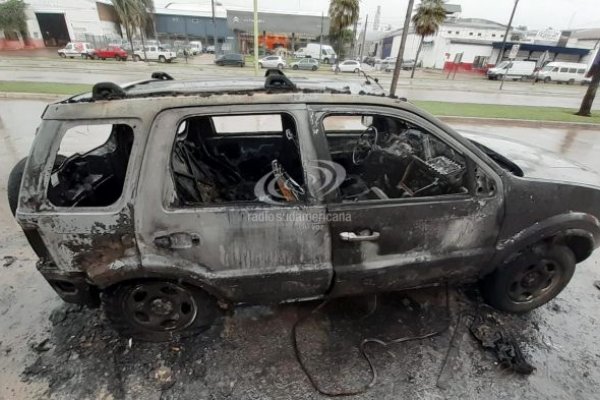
(525, 123)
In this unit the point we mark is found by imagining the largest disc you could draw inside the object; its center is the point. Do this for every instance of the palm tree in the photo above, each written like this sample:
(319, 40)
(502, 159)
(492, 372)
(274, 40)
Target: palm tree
(427, 21)
(342, 14)
(134, 15)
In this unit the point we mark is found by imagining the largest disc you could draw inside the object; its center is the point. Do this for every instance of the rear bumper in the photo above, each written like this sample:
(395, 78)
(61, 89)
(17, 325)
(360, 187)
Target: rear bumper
(71, 287)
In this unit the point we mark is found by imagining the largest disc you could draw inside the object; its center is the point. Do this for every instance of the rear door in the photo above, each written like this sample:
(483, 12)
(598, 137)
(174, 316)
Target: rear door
(418, 208)
(212, 208)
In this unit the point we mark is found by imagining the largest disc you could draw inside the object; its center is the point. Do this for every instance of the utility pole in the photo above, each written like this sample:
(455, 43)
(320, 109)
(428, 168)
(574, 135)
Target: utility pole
(362, 46)
(354, 38)
(321, 38)
(400, 56)
(512, 15)
(256, 37)
(212, 2)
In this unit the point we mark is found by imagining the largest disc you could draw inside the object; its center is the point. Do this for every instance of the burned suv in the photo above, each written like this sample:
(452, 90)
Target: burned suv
(192, 196)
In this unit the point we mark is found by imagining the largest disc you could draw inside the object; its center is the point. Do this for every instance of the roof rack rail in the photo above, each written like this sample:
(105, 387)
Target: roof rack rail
(276, 79)
(163, 76)
(107, 91)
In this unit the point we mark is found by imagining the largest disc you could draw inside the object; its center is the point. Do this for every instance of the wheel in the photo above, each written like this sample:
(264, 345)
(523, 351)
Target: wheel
(137, 58)
(103, 59)
(547, 79)
(571, 82)
(295, 67)
(314, 68)
(62, 55)
(326, 60)
(356, 70)
(117, 58)
(279, 66)
(84, 56)
(242, 65)
(158, 311)
(161, 59)
(260, 65)
(533, 278)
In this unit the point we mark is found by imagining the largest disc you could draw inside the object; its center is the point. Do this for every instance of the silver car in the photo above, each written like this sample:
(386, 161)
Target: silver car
(272, 62)
(306, 63)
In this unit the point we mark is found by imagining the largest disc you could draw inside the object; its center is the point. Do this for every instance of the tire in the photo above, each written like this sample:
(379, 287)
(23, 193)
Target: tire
(260, 65)
(533, 278)
(137, 58)
(62, 55)
(295, 67)
(117, 58)
(356, 70)
(162, 59)
(314, 68)
(143, 310)
(279, 66)
(326, 60)
(571, 82)
(547, 79)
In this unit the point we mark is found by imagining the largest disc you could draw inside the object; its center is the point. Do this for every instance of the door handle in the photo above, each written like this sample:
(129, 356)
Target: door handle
(364, 236)
(177, 240)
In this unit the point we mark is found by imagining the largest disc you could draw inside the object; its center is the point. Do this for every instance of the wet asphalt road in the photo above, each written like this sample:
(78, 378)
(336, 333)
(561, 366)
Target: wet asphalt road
(248, 355)
(428, 85)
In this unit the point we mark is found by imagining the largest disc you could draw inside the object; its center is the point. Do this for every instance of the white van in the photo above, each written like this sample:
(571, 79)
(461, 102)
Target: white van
(323, 52)
(512, 70)
(562, 72)
(195, 47)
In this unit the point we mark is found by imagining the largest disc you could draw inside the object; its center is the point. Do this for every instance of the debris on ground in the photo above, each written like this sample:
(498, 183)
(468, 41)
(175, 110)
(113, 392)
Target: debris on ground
(8, 261)
(597, 285)
(164, 376)
(492, 335)
(41, 347)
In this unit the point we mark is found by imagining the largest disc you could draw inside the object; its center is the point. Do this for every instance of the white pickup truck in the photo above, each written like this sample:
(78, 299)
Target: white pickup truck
(154, 53)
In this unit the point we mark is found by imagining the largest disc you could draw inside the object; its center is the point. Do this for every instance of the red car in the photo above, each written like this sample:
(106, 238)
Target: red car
(111, 52)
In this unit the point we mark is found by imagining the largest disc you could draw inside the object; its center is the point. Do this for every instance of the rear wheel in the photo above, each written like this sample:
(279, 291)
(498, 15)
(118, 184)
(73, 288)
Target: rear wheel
(280, 66)
(117, 58)
(158, 311)
(571, 81)
(62, 55)
(162, 59)
(533, 278)
(137, 58)
(314, 68)
(547, 79)
(260, 65)
(295, 67)
(356, 70)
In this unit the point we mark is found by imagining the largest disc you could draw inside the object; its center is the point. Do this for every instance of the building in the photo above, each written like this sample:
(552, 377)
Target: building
(192, 24)
(53, 23)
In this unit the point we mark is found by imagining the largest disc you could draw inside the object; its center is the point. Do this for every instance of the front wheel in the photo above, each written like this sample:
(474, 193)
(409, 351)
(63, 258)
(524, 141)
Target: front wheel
(547, 79)
(117, 58)
(137, 58)
(295, 67)
(260, 65)
(314, 68)
(158, 311)
(533, 278)
(356, 70)
(162, 59)
(279, 66)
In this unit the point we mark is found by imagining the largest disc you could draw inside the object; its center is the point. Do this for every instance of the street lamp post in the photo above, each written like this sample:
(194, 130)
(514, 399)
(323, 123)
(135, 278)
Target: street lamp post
(256, 37)
(212, 4)
(400, 56)
(512, 15)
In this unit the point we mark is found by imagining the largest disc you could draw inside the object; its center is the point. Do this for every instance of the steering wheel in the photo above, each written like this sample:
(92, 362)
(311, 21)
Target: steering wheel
(364, 145)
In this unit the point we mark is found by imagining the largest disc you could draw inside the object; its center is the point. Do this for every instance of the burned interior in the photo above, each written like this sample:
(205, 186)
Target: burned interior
(387, 158)
(92, 178)
(220, 159)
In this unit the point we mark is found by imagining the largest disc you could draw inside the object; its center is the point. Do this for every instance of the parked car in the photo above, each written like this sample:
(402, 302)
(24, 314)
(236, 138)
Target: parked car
(306, 63)
(566, 72)
(407, 65)
(347, 66)
(77, 49)
(231, 59)
(189, 201)
(111, 52)
(155, 53)
(512, 70)
(210, 49)
(272, 62)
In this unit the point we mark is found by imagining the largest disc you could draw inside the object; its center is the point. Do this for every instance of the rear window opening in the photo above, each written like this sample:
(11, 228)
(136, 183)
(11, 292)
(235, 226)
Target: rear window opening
(237, 158)
(90, 166)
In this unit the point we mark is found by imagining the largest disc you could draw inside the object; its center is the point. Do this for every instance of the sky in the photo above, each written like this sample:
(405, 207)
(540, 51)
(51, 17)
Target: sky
(535, 14)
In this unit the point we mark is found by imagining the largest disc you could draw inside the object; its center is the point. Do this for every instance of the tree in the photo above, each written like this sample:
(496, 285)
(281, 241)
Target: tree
(342, 14)
(588, 100)
(12, 17)
(134, 15)
(427, 20)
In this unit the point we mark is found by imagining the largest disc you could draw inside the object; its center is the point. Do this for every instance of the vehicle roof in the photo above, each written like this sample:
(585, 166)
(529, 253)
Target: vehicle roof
(144, 98)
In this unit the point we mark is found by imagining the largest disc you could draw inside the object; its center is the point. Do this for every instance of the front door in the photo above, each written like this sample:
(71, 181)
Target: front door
(225, 202)
(414, 207)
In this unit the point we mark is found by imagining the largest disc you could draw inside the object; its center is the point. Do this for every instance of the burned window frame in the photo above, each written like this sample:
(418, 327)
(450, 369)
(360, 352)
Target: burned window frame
(170, 189)
(130, 175)
(473, 162)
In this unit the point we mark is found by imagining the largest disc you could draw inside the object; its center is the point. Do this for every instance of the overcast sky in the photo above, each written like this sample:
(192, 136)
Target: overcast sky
(535, 14)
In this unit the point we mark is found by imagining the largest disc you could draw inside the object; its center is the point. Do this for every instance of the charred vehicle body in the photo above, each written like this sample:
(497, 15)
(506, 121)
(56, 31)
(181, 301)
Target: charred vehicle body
(195, 195)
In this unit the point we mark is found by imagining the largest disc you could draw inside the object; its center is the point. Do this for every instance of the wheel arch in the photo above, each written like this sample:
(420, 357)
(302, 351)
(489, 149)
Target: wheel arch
(580, 232)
